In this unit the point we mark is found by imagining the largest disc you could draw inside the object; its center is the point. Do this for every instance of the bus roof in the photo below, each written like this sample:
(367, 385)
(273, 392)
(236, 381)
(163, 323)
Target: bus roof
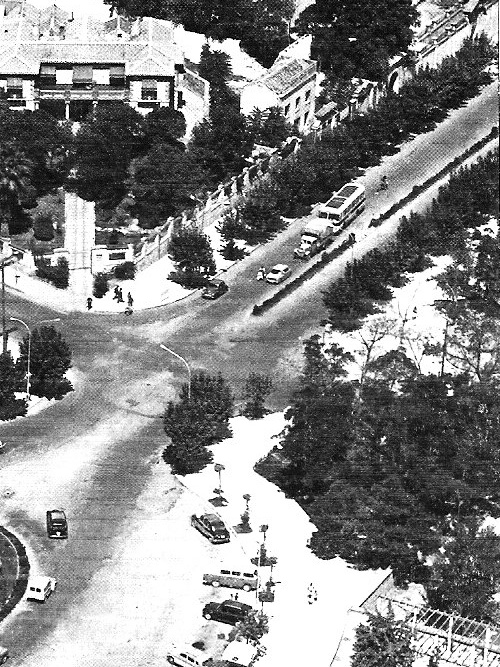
(343, 195)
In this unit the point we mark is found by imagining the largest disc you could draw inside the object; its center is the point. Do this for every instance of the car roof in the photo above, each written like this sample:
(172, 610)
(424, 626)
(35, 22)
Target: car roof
(280, 267)
(212, 517)
(39, 581)
(57, 514)
(237, 605)
(215, 281)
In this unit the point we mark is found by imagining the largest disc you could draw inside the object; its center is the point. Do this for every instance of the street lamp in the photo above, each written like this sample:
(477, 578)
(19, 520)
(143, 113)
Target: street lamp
(178, 356)
(5, 260)
(16, 319)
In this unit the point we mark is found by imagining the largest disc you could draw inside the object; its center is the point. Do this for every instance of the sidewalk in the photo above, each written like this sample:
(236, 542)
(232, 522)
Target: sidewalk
(301, 630)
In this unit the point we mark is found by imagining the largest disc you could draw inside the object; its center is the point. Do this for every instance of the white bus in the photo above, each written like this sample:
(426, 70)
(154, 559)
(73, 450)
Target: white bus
(345, 205)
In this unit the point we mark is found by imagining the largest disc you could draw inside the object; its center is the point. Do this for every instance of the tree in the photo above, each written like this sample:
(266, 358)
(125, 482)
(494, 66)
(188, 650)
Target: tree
(50, 358)
(213, 396)
(357, 37)
(101, 285)
(164, 126)
(466, 576)
(43, 227)
(188, 429)
(383, 642)
(16, 189)
(257, 388)
(60, 273)
(192, 253)
(45, 140)
(269, 127)
(107, 141)
(10, 407)
(259, 213)
(161, 182)
(254, 626)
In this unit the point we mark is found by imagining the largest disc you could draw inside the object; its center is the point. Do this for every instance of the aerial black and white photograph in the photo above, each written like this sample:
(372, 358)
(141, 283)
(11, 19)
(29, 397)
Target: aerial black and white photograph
(250, 316)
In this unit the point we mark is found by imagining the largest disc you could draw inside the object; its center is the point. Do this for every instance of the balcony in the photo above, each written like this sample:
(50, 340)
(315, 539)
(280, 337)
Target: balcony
(90, 92)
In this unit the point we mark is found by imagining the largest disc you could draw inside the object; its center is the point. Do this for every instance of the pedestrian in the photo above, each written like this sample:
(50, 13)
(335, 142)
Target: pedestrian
(117, 292)
(383, 183)
(17, 276)
(120, 295)
(89, 303)
(130, 300)
(261, 273)
(236, 596)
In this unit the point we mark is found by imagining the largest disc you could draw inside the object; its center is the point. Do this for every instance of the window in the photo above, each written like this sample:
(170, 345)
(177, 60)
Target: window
(48, 75)
(64, 77)
(101, 77)
(117, 76)
(287, 110)
(297, 101)
(14, 87)
(82, 76)
(308, 95)
(149, 89)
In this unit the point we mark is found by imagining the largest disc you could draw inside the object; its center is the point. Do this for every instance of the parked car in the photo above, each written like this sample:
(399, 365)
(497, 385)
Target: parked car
(214, 289)
(57, 524)
(40, 588)
(247, 581)
(278, 274)
(4, 655)
(212, 527)
(187, 657)
(229, 611)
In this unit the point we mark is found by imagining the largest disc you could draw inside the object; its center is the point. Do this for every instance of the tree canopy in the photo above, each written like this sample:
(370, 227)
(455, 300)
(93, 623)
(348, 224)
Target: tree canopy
(356, 38)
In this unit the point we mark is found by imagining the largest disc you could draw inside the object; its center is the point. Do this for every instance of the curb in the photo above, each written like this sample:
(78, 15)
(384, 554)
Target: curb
(23, 569)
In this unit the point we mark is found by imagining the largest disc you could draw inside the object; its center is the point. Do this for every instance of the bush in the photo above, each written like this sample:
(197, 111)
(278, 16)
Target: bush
(43, 227)
(231, 251)
(58, 275)
(101, 285)
(125, 271)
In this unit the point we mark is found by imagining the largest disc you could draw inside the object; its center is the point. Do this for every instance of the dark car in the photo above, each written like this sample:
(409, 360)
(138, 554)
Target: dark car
(214, 289)
(229, 611)
(57, 525)
(211, 527)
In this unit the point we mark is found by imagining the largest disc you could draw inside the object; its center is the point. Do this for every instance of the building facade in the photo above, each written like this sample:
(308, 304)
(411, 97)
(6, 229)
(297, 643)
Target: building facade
(50, 59)
(290, 84)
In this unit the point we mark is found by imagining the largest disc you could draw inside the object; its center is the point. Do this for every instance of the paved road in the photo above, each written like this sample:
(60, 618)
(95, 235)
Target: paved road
(128, 571)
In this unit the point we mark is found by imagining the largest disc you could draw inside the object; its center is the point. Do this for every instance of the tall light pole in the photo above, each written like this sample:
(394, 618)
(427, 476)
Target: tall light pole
(16, 319)
(4, 260)
(178, 356)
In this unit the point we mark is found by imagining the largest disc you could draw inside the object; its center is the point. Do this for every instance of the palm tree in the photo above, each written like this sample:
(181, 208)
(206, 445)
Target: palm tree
(15, 183)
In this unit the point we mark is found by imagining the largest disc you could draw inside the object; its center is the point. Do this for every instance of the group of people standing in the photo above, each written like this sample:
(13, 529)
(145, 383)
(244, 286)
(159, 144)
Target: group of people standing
(118, 295)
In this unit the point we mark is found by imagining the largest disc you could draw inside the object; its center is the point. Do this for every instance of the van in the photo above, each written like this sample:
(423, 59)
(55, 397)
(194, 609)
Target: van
(246, 581)
(40, 588)
(4, 655)
(189, 657)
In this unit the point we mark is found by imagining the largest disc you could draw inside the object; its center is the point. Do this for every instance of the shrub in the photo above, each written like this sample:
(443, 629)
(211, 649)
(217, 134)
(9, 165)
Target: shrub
(101, 285)
(43, 227)
(231, 251)
(58, 275)
(125, 271)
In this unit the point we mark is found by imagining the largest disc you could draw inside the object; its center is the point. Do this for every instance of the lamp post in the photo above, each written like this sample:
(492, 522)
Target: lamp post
(16, 319)
(178, 356)
(5, 259)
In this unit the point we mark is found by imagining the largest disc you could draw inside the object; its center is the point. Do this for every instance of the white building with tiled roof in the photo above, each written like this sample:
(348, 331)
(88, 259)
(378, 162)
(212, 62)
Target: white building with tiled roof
(67, 64)
(290, 84)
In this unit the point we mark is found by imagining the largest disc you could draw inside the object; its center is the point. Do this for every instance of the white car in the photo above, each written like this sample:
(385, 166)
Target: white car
(40, 588)
(278, 273)
(187, 657)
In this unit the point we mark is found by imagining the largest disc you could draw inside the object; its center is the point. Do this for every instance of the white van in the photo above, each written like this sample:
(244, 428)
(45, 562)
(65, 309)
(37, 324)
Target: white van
(189, 657)
(247, 581)
(40, 588)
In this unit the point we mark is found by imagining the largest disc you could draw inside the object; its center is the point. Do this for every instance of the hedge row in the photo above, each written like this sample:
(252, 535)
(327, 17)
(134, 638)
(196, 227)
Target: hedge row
(19, 588)
(325, 257)
(418, 189)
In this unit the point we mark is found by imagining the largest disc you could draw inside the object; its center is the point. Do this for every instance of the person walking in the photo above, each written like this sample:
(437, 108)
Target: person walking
(261, 273)
(120, 295)
(89, 303)
(130, 300)
(116, 293)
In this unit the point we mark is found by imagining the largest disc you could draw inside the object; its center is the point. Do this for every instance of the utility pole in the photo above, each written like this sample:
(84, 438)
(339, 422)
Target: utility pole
(4, 323)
